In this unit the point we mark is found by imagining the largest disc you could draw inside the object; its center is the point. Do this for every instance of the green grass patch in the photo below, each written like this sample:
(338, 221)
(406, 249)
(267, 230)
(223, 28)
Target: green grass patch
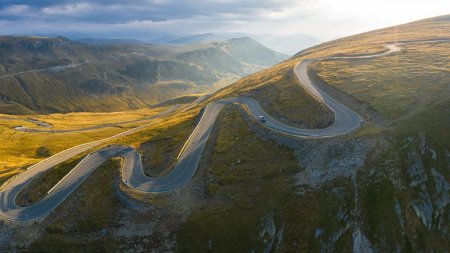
(91, 208)
(39, 187)
(379, 208)
(248, 179)
(161, 150)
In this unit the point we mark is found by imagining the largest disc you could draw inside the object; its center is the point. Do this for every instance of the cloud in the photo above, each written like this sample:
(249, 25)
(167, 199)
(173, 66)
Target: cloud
(15, 9)
(155, 10)
(78, 9)
(144, 19)
(143, 16)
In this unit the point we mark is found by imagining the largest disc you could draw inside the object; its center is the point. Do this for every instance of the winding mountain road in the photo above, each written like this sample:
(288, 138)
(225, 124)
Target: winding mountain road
(46, 127)
(345, 121)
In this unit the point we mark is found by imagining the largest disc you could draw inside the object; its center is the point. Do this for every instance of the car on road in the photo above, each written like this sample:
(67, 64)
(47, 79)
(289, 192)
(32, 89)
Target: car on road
(262, 119)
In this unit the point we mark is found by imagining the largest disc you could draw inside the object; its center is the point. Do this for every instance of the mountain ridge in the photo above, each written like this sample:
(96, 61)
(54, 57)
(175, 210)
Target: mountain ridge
(117, 77)
(286, 44)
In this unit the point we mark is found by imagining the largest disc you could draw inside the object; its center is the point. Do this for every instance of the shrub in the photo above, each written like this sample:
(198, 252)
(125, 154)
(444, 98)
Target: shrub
(43, 151)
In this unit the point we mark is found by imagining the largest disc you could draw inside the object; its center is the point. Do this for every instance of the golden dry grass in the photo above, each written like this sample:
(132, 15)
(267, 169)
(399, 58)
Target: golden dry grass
(415, 74)
(397, 85)
(168, 134)
(275, 84)
(18, 149)
(76, 120)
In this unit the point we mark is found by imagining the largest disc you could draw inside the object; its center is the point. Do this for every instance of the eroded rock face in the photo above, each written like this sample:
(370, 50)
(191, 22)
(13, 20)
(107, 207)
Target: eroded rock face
(269, 235)
(423, 208)
(328, 161)
(430, 200)
(328, 244)
(360, 242)
(416, 169)
(421, 203)
(441, 201)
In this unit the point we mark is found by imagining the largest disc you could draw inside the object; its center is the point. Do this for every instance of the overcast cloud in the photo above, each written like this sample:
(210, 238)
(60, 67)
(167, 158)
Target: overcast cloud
(145, 19)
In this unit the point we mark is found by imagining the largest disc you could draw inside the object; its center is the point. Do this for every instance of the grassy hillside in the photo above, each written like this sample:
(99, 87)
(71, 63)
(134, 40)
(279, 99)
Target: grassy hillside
(396, 86)
(47, 75)
(390, 179)
(16, 156)
(361, 191)
(384, 188)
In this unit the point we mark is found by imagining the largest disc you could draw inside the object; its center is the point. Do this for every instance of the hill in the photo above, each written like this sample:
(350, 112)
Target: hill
(384, 188)
(381, 189)
(100, 41)
(45, 75)
(284, 44)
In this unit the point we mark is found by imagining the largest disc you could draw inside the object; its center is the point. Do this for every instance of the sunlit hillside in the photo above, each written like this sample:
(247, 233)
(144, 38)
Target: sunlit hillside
(48, 75)
(383, 188)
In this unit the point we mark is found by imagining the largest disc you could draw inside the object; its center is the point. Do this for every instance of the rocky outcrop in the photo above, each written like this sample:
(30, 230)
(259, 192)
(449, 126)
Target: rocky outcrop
(430, 204)
(330, 160)
(268, 233)
(441, 199)
(360, 242)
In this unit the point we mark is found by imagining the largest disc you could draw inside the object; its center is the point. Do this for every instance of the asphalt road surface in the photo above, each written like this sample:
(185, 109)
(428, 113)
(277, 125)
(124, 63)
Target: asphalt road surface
(345, 121)
(9, 191)
(44, 130)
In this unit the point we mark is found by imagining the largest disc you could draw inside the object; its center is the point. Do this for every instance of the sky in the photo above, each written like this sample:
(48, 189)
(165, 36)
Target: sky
(148, 19)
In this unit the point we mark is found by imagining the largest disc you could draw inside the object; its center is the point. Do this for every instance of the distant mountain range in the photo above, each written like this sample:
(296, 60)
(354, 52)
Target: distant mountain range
(44, 75)
(289, 45)
(101, 41)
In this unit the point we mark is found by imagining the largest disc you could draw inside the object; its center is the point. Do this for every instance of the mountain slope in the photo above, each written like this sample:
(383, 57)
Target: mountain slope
(284, 44)
(384, 188)
(100, 41)
(59, 75)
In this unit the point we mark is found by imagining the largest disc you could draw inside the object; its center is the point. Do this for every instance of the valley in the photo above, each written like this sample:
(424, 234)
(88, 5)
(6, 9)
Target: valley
(350, 156)
(51, 75)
